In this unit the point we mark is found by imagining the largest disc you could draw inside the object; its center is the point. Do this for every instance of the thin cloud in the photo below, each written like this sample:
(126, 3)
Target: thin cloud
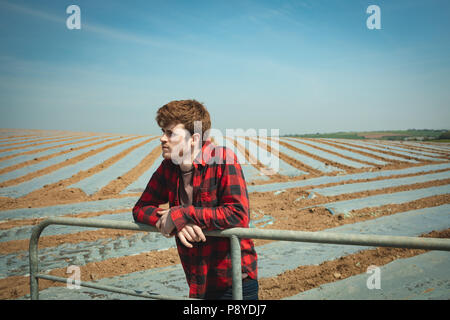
(32, 12)
(98, 29)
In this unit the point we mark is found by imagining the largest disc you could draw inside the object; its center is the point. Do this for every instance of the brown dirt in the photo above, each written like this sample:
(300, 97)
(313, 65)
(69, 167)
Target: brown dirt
(293, 162)
(305, 142)
(59, 193)
(50, 156)
(56, 240)
(19, 145)
(116, 186)
(37, 150)
(419, 149)
(392, 153)
(340, 146)
(380, 135)
(18, 286)
(273, 177)
(60, 165)
(325, 161)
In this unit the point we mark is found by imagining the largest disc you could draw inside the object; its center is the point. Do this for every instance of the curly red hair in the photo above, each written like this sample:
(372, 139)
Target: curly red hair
(185, 112)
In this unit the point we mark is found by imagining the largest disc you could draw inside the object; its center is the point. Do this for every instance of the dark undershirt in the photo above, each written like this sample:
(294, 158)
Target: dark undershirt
(186, 190)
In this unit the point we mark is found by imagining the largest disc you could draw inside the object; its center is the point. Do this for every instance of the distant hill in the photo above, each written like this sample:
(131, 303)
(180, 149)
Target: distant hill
(410, 134)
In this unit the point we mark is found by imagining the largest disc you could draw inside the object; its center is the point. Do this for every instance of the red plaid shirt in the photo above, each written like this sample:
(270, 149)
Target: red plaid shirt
(220, 201)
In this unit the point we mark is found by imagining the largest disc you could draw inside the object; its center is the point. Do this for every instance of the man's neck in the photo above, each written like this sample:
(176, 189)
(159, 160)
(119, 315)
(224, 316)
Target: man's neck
(185, 167)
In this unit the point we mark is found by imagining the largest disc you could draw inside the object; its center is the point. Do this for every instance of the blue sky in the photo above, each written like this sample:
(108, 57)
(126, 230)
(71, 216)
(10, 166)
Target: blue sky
(298, 66)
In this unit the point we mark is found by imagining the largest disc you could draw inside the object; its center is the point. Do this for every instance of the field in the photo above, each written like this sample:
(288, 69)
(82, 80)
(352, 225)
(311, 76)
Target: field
(412, 134)
(314, 184)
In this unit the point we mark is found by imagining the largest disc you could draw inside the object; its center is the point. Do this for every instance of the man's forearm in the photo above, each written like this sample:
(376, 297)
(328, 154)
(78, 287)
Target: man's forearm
(211, 218)
(146, 214)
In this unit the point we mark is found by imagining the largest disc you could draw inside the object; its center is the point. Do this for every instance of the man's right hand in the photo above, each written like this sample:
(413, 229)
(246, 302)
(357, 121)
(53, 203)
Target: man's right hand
(191, 233)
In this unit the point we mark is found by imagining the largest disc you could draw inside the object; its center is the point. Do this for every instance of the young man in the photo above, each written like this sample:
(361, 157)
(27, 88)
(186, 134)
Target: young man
(206, 190)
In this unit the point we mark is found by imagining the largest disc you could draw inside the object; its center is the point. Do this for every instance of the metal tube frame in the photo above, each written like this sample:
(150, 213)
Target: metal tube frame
(235, 234)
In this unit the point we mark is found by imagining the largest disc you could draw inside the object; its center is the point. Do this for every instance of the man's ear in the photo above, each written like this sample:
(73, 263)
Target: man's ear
(195, 139)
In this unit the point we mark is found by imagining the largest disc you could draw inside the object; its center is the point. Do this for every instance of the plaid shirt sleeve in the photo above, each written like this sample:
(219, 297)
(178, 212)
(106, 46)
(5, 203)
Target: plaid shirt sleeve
(229, 194)
(155, 194)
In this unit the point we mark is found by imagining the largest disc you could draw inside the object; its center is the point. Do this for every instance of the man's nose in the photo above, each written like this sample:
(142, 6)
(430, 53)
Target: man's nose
(163, 138)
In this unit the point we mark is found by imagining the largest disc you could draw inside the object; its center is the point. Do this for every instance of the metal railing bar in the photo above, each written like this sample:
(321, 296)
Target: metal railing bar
(272, 234)
(337, 238)
(237, 293)
(92, 285)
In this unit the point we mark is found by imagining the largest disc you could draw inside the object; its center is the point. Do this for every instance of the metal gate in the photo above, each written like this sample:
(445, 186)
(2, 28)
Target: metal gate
(234, 234)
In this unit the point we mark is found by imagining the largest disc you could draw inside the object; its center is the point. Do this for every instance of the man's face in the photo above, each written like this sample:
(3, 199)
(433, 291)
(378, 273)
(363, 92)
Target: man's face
(174, 140)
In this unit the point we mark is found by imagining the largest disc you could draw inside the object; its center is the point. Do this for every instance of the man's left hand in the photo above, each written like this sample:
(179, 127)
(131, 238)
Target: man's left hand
(165, 224)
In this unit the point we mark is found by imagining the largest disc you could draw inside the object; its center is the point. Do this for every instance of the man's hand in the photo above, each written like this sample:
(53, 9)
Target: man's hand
(191, 233)
(165, 224)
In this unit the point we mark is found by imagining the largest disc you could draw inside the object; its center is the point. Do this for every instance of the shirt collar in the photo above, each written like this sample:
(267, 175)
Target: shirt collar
(205, 155)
